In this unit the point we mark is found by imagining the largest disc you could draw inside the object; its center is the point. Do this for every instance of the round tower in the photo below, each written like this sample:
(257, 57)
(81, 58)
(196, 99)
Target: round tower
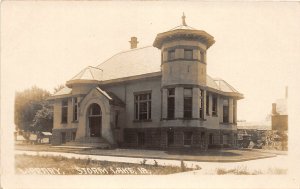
(183, 51)
(183, 66)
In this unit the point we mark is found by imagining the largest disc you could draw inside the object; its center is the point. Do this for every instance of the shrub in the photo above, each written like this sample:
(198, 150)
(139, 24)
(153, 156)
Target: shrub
(143, 162)
(155, 163)
(182, 166)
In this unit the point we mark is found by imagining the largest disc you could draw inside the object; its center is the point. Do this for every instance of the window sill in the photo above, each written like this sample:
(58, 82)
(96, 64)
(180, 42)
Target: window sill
(226, 123)
(214, 115)
(201, 119)
(146, 120)
(168, 118)
(75, 121)
(63, 123)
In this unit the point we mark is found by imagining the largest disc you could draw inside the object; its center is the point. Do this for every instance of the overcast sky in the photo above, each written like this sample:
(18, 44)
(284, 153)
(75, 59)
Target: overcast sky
(47, 43)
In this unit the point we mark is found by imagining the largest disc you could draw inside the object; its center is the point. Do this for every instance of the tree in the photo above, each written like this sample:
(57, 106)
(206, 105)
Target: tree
(43, 119)
(27, 104)
(56, 89)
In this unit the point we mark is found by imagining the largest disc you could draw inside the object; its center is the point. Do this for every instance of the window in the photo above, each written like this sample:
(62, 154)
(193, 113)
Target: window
(187, 138)
(188, 54)
(73, 135)
(171, 103)
(142, 106)
(171, 55)
(234, 111)
(75, 109)
(225, 111)
(202, 56)
(170, 138)
(63, 137)
(141, 138)
(225, 139)
(215, 106)
(207, 103)
(211, 138)
(201, 108)
(64, 111)
(117, 119)
(187, 93)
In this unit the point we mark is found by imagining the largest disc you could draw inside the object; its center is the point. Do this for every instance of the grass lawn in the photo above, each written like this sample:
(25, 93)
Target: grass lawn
(53, 165)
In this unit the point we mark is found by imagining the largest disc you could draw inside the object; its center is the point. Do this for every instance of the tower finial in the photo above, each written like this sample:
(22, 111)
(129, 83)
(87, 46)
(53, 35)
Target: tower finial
(183, 19)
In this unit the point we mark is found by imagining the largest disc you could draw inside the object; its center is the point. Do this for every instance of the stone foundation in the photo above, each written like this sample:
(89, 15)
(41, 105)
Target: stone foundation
(158, 138)
(57, 135)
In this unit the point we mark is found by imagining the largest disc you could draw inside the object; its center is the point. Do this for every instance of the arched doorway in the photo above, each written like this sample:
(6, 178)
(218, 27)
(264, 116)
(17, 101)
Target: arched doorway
(95, 120)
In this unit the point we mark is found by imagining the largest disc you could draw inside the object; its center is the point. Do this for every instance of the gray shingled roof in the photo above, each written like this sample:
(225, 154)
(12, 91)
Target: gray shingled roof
(134, 62)
(89, 73)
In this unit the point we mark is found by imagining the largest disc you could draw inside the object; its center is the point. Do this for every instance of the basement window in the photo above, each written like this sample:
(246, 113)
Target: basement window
(188, 138)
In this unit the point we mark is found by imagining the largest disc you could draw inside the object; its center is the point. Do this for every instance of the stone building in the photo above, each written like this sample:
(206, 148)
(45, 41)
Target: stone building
(156, 96)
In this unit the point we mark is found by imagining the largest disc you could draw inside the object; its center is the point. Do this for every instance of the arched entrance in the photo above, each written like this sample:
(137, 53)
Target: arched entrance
(95, 120)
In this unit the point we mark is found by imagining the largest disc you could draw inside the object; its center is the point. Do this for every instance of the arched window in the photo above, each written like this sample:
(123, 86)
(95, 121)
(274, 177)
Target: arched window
(95, 110)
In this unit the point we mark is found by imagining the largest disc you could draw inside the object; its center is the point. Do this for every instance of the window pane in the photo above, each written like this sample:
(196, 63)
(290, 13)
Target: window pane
(188, 138)
(207, 103)
(95, 109)
(143, 116)
(171, 55)
(225, 102)
(171, 92)
(202, 56)
(149, 110)
(143, 106)
(171, 107)
(75, 113)
(188, 54)
(143, 96)
(136, 111)
(187, 92)
(214, 105)
(187, 107)
(65, 103)
(64, 115)
(170, 137)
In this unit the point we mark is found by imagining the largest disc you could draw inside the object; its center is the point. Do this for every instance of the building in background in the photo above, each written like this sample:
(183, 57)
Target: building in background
(156, 96)
(280, 113)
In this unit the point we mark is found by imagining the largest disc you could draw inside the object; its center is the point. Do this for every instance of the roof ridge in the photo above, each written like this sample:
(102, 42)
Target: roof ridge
(81, 71)
(91, 73)
(130, 50)
(231, 87)
(95, 68)
(182, 26)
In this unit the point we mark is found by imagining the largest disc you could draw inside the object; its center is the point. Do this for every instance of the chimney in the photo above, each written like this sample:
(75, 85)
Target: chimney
(274, 111)
(133, 42)
(286, 92)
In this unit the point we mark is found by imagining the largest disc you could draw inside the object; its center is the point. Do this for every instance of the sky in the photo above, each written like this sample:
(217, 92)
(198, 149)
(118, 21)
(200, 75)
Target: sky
(47, 43)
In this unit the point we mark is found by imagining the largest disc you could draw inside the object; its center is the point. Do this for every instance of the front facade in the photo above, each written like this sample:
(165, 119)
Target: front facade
(157, 96)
